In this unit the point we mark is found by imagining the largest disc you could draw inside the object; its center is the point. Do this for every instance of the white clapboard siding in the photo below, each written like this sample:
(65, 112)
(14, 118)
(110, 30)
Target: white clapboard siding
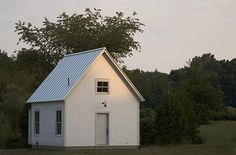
(82, 104)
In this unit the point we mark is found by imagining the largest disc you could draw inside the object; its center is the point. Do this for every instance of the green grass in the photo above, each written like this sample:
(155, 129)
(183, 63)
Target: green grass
(220, 139)
(221, 133)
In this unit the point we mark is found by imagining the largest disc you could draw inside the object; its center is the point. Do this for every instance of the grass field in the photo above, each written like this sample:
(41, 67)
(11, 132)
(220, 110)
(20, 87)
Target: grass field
(220, 139)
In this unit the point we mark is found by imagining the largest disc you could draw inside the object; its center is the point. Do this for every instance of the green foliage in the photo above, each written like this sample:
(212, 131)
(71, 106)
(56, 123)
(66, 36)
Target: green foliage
(152, 85)
(5, 130)
(80, 32)
(5, 65)
(228, 81)
(184, 99)
(200, 81)
(34, 65)
(19, 77)
(10, 110)
(23, 124)
(176, 121)
(147, 126)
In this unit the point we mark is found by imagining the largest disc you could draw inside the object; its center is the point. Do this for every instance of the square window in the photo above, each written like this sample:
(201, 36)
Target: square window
(102, 87)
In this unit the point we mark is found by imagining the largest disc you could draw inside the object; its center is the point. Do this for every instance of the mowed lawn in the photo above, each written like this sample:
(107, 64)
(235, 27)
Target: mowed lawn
(220, 139)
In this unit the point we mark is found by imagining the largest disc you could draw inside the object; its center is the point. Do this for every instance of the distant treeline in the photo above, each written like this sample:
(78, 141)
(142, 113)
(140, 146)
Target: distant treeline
(220, 73)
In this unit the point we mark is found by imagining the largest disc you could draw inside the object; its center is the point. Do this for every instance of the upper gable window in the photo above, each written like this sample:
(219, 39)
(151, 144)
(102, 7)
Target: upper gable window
(102, 86)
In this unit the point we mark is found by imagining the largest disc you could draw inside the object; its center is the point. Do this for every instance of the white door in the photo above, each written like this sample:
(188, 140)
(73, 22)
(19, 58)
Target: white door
(102, 129)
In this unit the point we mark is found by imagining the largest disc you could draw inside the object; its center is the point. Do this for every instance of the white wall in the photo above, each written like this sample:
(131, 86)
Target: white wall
(47, 134)
(82, 104)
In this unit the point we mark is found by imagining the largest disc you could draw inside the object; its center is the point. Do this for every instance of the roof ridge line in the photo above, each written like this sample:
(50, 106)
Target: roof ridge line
(83, 52)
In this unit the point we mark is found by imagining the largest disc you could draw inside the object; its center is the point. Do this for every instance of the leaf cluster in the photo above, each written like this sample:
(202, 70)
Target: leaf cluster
(80, 32)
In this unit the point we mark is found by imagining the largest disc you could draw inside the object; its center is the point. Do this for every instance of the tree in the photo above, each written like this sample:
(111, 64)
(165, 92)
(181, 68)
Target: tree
(5, 130)
(11, 109)
(33, 67)
(6, 64)
(228, 81)
(176, 120)
(11, 104)
(153, 85)
(80, 32)
(200, 81)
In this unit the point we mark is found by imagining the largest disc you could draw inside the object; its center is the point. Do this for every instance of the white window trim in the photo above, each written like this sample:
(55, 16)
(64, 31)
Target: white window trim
(58, 109)
(102, 80)
(36, 134)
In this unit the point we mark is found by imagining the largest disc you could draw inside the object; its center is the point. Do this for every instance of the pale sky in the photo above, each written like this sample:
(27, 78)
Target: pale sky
(175, 31)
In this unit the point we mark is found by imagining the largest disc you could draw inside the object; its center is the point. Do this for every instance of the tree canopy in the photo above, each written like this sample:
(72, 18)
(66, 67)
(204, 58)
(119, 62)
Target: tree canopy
(80, 32)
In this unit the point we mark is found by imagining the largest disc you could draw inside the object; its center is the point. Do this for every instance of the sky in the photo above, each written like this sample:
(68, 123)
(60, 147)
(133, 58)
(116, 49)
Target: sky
(175, 30)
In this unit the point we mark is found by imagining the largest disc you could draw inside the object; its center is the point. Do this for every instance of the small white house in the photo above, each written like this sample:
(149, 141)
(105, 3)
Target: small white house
(86, 101)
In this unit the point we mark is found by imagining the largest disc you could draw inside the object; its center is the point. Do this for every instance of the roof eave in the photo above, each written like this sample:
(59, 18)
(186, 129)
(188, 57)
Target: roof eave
(54, 101)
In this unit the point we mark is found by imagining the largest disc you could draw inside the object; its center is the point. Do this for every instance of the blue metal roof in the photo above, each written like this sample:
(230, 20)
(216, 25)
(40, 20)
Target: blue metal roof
(69, 70)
